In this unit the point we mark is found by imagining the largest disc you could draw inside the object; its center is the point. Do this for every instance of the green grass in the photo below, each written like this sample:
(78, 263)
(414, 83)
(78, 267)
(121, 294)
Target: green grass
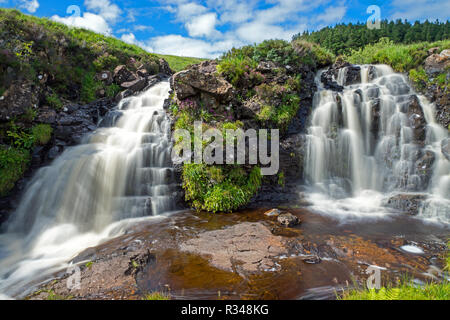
(400, 57)
(13, 163)
(179, 63)
(42, 133)
(156, 296)
(405, 291)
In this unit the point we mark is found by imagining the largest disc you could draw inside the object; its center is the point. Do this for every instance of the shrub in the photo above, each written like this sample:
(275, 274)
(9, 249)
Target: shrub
(106, 62)
(13, 163)
(54, 101)
(41, 133)
(278, 51)
(235, 68)
(89, 87)
(112, 90)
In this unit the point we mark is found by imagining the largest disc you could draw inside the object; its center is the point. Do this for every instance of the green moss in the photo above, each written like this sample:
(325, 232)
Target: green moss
(281, 179)
(281, 116)
(42, 133)
(219, 189)
(13, 164)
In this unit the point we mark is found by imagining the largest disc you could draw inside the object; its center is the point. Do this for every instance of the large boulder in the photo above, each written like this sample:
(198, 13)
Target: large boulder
(437, 63)
(123, 74)
(201, 78)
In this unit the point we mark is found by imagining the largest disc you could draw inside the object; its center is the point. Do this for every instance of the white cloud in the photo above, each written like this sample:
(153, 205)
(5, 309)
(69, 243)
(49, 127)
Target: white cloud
(88, 20)
(332, 15)
(188, 10)
(29, 5)
(104, 8)
(215, 26)
(203, 25)
(131, 39)
(420, 9)
(189, 47)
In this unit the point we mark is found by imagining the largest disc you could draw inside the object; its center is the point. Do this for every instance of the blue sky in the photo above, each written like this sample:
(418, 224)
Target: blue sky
(208, 28)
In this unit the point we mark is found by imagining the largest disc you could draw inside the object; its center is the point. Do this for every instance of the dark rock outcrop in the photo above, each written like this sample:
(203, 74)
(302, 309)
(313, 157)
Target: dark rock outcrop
(202, 79)
(416, 118)
(18, 98)
(408, 203)
(351, 75)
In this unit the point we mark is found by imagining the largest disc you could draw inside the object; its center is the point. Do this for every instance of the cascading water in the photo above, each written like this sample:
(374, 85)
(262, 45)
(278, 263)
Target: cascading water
(122, 172)
(375, 140)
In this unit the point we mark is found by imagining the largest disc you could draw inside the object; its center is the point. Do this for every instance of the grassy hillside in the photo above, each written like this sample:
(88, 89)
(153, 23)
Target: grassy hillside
(179, 63)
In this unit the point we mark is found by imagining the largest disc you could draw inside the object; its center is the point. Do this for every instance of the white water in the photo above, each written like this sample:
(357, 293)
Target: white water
(91, 193)
(355, 163)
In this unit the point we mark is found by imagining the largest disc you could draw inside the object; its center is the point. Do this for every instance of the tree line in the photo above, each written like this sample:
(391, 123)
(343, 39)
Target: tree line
(342, 38)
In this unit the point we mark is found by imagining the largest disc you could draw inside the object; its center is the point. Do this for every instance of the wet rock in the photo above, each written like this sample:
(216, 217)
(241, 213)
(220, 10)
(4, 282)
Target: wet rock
(135, 85)
(251, 246)
(53, 152)
(352, 75)
(375, 115)
(123, 74)
(288, 220)
(408, 203)
(272, 213)
(416, 118)
(445, 148)
(437, 63)
(328, 82)
(424, 168)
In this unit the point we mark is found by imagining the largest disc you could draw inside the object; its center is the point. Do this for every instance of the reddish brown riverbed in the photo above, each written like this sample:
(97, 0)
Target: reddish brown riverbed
(254, 258)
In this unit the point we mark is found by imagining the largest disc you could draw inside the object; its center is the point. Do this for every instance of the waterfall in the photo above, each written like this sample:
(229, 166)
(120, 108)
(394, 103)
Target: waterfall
(374, 140)
(123, 171)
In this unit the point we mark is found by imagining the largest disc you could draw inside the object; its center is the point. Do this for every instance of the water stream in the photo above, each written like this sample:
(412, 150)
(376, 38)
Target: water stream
(364, 146)
(91, 192)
